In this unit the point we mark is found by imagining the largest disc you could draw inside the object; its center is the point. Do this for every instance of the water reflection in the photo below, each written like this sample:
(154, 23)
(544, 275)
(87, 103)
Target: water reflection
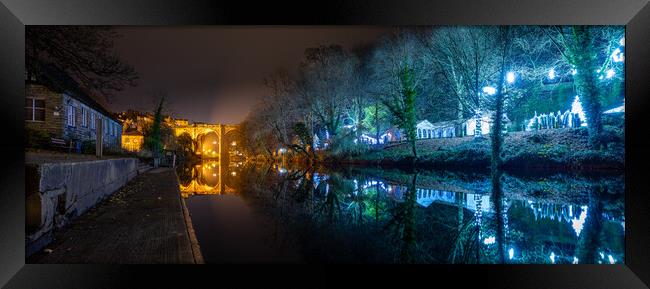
(389, 216)
(210, 177)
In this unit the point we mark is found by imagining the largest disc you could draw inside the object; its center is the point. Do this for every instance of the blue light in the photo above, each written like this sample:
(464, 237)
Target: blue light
(617, 55)
(510, 77)
(489, 90)
(611, 259)
(622, 41)
(576, 107)
(511, 253)
(610, 73)
(551, 73)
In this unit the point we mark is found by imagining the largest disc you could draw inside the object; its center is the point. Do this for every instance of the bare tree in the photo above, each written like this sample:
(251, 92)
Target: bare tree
(466, 56)
(84, 52)
(327, 80)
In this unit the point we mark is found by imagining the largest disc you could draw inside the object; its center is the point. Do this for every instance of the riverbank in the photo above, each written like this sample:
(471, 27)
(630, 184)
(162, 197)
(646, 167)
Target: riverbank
(144, 222)
(557, 149)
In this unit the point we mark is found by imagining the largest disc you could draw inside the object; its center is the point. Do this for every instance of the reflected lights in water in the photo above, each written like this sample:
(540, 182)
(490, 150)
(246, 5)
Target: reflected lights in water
(354, 205)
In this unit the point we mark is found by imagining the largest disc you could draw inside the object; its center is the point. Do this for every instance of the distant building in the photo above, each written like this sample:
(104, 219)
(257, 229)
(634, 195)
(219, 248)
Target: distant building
(135, 124)
(443, 129)
(57, 105)
(132, 140)
(469, 125)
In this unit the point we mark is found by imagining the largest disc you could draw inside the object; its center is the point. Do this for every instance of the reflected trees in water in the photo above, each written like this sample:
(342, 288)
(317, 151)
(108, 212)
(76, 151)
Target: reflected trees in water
(369, 216)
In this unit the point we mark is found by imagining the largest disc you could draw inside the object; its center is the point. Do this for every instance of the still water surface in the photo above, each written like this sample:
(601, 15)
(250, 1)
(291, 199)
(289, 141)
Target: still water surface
(266, 213)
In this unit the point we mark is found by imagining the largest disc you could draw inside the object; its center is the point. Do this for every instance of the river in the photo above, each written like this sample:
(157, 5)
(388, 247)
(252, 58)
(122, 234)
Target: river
(267, 213)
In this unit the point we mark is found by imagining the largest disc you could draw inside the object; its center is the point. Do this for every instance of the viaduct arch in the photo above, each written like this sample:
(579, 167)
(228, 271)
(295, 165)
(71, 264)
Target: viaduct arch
(213, 140)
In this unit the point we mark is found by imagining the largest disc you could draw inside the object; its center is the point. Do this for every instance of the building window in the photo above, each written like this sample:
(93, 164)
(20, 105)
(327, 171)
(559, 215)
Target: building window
(84, 117)
(34, 109)
(70, 120)
(92, 120)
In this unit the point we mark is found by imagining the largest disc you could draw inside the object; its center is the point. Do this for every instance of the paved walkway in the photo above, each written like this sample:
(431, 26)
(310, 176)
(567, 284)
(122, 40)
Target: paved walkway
(39, 157)
(142, 223)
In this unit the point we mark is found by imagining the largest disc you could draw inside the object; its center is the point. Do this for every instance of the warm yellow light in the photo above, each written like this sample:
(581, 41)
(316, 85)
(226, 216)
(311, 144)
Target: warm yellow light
(234, 143)
(233, 173)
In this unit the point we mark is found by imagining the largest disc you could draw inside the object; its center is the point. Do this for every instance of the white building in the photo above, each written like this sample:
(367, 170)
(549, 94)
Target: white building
(486, 123)
(426, 129)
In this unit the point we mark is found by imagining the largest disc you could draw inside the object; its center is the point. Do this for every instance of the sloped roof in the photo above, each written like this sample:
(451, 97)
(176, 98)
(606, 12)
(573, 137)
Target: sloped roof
(424, 123)
(617, 109)
(59, 81)
(133, 132)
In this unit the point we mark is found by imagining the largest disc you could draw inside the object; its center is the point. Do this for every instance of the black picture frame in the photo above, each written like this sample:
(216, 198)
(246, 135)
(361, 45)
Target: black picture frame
(15, 14)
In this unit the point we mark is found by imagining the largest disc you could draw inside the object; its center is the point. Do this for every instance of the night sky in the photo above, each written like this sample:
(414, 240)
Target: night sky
(215, 74)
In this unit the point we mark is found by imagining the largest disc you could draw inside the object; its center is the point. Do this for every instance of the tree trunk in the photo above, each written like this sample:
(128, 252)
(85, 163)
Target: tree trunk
(589, 239)
(409, 105)
(408, 232)
(377, 121)
(585, 81)
(497, 137)
(497, 200)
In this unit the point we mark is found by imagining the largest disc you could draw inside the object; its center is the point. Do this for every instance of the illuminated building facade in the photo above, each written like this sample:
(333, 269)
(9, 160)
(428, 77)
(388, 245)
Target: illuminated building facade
(212, 141)
(132, 141)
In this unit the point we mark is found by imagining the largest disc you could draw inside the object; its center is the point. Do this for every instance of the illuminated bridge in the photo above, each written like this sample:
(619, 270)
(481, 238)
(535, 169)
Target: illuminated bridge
(211, 140)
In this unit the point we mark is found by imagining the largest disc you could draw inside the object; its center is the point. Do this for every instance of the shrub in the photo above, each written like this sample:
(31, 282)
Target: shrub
(531, 159)
(612, 134)
(36, 138)
(88, 147)
(538, 138)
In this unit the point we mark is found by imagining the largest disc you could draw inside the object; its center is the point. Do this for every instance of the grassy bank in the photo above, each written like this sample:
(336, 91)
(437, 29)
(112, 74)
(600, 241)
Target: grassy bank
(560, 149)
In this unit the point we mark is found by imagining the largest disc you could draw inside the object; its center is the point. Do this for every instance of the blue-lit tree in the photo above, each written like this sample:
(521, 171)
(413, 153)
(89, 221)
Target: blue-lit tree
(589, 50)
(466, 57)
(399, 73)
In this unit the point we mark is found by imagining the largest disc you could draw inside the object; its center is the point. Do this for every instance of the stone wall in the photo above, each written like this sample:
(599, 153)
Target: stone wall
(59, 192)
